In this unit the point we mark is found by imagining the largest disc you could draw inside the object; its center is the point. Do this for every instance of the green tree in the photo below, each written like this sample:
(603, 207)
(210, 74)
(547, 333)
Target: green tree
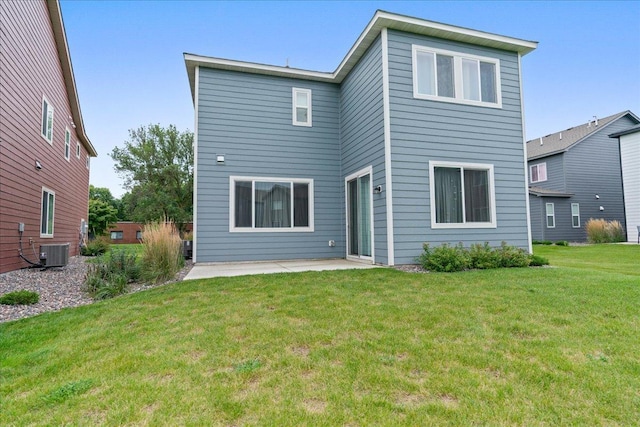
(101, 216)
(104, 194)
(157, 166)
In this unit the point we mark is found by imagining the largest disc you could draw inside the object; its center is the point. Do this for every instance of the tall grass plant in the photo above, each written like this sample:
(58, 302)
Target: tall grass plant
(602, 231)
(162, 251)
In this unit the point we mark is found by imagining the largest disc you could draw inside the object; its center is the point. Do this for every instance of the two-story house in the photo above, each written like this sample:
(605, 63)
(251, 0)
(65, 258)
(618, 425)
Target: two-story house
(44, 149)
(416, 137)
(575, 175)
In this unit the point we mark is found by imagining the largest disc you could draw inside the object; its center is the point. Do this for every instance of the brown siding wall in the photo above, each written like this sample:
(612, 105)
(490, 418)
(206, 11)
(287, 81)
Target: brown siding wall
(30, 69)
(129, 230)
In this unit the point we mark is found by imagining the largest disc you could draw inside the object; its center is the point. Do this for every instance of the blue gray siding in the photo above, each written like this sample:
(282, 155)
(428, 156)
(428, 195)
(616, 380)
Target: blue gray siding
(424, 130)
(555, 173)
(563, 229)
(362, 134)
(248, 118)
(593, 167)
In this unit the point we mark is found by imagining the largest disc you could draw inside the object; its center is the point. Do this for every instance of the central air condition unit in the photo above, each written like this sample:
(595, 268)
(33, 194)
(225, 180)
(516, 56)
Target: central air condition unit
(54, 255)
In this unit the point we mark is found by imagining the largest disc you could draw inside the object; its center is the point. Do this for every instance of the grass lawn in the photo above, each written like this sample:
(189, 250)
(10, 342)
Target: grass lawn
(539, 346)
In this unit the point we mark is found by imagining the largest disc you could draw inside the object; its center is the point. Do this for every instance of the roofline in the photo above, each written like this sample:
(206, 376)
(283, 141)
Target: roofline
(541, 156)
(634, 129)
(381, 19)
(558, 194)
(55, 16)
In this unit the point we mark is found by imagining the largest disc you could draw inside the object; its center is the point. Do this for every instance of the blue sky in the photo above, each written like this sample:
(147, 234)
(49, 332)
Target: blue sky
(129, 69)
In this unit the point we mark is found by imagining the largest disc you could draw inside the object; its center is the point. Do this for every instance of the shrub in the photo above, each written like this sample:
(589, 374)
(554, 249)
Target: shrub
(95, 247)
(561, 243)
(20, 298)
(162, 251)
(537, 261)
(510, 256)
(484, 256)
(445, 258)
(601, 231)
(111, 274)
(448, 258)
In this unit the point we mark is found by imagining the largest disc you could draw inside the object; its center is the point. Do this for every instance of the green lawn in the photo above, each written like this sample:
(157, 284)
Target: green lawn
(539, 346)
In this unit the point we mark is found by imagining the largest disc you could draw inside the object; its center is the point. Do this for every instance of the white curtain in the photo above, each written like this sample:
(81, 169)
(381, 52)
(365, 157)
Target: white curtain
(426, 73)
(273, 204)
(470, 80)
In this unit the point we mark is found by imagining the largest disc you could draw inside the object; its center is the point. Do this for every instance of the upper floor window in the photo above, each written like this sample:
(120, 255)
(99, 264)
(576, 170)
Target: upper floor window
(78, 149)
(538, 173)
(455, 77)
(67, 144)
(301, 107)
(47, 121)
(46, 219)
(462, 195)
(271, 204)
(87, 161)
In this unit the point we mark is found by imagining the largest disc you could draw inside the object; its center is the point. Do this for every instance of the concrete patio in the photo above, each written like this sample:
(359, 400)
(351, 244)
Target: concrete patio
(228, 269)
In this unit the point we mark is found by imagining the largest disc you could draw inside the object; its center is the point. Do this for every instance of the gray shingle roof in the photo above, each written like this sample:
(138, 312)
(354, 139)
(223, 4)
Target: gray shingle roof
(543, 192)
(561, 141)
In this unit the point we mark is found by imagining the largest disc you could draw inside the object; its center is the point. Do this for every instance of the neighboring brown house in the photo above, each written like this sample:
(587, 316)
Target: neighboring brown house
(44, 150)
(131, 232)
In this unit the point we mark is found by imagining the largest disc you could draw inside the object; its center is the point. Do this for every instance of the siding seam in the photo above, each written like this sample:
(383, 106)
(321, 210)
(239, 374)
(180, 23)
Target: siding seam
(387, 147)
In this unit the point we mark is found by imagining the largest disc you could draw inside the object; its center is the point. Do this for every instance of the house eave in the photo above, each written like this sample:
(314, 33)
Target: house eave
(380, 20)
(55, 16)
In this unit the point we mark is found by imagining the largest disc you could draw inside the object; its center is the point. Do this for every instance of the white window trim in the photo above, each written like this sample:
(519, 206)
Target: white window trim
(537, 167)
(457, 76)
(46, 235)
(252, 229)
(87, 162)
(309, 121)
(49, 108)
(574, 215)
(492, 195)
(78, 149)
(553, 215)
(67, 144)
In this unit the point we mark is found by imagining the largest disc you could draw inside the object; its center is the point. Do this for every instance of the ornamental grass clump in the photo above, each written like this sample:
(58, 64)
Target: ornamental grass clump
(602, 231)
(111, 274)
(162, 251)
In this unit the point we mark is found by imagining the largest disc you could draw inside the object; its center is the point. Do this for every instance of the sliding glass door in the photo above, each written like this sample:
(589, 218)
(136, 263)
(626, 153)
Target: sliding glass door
(359, 227)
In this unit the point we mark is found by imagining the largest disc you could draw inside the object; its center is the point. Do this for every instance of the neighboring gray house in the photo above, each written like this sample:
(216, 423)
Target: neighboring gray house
(575, 175)
(629, 140)
(416, 137)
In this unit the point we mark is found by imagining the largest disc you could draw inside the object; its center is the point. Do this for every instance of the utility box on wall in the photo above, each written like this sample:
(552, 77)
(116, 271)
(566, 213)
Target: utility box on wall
(54, 255)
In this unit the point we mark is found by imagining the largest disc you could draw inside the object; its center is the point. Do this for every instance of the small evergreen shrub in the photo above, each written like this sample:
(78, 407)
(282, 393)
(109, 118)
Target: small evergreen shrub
(95, 247)
(162, 251)
(445, 258)
(601, 231)
(20, 298)
(537, 261)
(561, 243)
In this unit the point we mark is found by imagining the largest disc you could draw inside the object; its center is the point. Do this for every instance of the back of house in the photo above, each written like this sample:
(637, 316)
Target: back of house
(44, 151)
(416, 137)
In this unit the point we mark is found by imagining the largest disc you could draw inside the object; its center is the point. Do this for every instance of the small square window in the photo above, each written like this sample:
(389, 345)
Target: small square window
(538, 173)
(116, 235)
(301, 107)
(139, 234)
